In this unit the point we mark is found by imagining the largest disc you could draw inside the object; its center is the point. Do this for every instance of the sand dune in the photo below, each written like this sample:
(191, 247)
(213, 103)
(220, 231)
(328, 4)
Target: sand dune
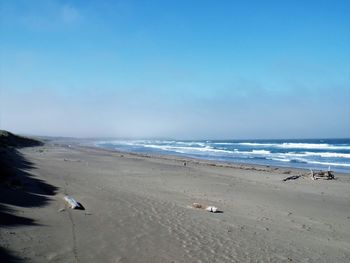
(137, 209)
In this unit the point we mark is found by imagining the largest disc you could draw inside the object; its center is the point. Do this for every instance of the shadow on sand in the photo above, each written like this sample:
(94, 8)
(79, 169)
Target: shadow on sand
(19, 188)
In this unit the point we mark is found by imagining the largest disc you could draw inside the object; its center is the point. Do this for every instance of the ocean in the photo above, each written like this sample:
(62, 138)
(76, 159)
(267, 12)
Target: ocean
(307, 154)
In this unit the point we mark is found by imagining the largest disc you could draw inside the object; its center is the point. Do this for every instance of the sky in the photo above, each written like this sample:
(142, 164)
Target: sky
(181, 69)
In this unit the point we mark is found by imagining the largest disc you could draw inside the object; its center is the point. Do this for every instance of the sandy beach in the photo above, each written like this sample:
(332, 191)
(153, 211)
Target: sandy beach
(138, 209)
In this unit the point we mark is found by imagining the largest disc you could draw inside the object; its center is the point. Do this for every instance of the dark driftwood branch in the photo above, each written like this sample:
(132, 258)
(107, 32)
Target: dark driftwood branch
(294, 177)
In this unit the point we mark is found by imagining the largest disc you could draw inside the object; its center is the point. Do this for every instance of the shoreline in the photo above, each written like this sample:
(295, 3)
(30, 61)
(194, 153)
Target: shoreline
(218, 163)
(139, 209)
(314, 154)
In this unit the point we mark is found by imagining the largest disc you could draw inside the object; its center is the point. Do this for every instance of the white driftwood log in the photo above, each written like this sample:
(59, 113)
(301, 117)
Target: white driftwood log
(212, 209)
(72, 202)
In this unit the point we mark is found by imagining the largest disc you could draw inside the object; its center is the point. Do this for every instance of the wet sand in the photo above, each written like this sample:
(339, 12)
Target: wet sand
(138, 209)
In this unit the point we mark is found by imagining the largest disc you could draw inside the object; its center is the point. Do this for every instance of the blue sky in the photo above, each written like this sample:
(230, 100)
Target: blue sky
(179, 69)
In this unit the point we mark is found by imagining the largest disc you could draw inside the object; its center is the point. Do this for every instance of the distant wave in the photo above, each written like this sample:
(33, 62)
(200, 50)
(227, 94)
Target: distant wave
(225, 143)
(184, 149)
(316, 154)
(260, 152)
(318, 146)
(328, 154)
(257, 144)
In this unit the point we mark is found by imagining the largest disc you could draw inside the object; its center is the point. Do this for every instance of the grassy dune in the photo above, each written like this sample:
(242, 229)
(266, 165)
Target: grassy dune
(10, 139)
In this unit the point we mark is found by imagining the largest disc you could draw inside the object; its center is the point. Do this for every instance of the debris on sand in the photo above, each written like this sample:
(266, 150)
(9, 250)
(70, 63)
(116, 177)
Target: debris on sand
(197, 205)
(325, 175)
(72, 203)
(294, 177)
(212, 209)
(314, 175)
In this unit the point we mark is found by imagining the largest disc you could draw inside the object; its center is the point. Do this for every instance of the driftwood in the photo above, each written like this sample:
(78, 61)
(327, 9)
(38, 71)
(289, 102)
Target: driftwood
(325, 175)
(72, 203)
(294, 177)
(314, 175)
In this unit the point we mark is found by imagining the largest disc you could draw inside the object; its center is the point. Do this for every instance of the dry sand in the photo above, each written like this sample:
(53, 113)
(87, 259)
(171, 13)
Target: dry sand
(137, 210)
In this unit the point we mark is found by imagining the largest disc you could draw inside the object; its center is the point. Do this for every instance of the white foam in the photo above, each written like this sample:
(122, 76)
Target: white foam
(257, 144)
(328, 154)
(331, 164)
(319, 146)
(253, 152)
(281, 159)
(317, 154)
(263, 152)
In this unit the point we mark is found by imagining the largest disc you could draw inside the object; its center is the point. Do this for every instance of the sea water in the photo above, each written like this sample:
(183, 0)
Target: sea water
(308, 153)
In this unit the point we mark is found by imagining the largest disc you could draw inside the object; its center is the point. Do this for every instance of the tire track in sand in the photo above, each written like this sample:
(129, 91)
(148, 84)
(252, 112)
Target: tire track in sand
(70, 216)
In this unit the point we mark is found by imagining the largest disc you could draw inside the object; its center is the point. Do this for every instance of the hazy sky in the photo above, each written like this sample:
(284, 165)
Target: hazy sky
(180, 69)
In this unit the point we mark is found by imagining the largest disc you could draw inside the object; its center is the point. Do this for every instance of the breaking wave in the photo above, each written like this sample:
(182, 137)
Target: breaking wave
(319, 146)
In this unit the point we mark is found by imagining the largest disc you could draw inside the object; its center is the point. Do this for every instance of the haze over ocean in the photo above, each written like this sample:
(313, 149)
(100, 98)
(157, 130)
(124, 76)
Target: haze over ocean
(176, 69)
